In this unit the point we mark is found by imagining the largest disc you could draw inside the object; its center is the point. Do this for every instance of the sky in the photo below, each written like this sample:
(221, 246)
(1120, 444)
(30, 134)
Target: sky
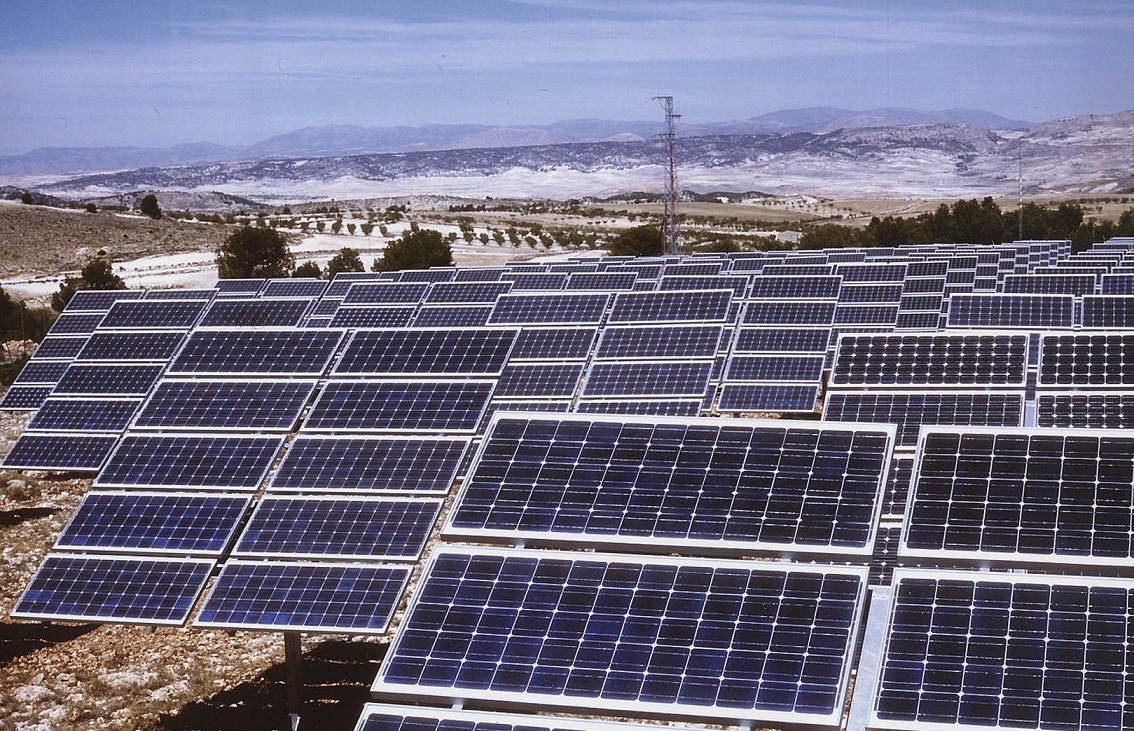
(75, 73)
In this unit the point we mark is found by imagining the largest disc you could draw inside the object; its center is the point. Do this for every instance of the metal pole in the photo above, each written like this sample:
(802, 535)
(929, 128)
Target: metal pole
(1020, 206)
(293, 676)
(670, 135)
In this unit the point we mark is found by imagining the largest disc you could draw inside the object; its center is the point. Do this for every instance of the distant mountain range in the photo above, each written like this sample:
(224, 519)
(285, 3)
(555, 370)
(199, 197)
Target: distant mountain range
(342, 140)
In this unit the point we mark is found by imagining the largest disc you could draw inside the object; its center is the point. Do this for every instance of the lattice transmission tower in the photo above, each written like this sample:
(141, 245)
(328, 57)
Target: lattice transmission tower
(669, 225)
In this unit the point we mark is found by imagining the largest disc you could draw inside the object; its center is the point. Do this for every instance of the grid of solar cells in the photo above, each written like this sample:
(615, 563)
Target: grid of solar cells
(236, 462)
(775, 368)
(764, 485)
(789, 312)
(100, 300)
(479, 274)
(918, 321)
(910, 411)
(781, 340)
(921, 302)
(291, 352)
(1024, 495)
(180, 294)
(640, 407)
(931, 360)
(1011, 310)
(795, 287)
(466, 292)
(867, 293)
(338, 527)
(61, 346)
(871, 272)
(306, 288)
(924, 285)
(342, 282)
(998, 651)
(84, 414)
(539, 380)
(369, 464)
(414, 406)
(373, 316)
(866, 314)
(239, 287)
(737, 283)
(659, 341)
(1087, 360)
(608, 281)
(647, 378)
(536, 281)
(915, 269)
(131, 346)
(452, 316)
(359, 598)
(572, 267)
(114, 589)
(25, 398)
(439, 274)
(578, 308)
(769, 397)
(1112, 312)
(259, 312)
(91, 379)
(466, 351)
(325, 307)
(74, 452)
(796, 270)
(707, 639)
(41, 372)
(225, 405)
(384, 717)
(76, 323)
(897, 491)
(1117, 284)
(1105, 410)
(885, 556)
(554, 343)
(165, 522)
(643, 269)
(385, 293)
(694, 268)
(152, 315)
(555, 406)
(1062, 283)
(671, 306)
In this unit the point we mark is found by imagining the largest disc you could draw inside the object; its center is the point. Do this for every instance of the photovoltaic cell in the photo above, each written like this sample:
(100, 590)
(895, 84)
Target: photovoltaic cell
(113, 589)
(536, 281)
(539, 380)
(305, 288)
(553, 343)
(41, 372)
(373, 316)
(24, 398)
(775, 368)
(72, 452)
(191, 461)
(1119, 284)
(370, 464)
(131, 346)
(180, 294)
(438, 274)
(1011, 310)
(239, 287)
(473, 352)
(315, 597)
(1108, 312)
(931, 360)
(659, 341)
(738, 283)
(647, 378)
(388, 293)
(866, 314)
(256, 313)
(782, 340)
(405, 406)
(224, 405)
(671, 306)
(608, 281)
(641, 406)
(870, 293)
(466, 292)
(76, 323)
(1062, 283)
(275, 352)
(383, 717)
(704, 639)
(61, 346)
(577, 308)
(1087, 360)
(152, 315)
(769, 397)
(452, 316)
(793, 287)
(86, 300)
(84, 414)
(910, 411)
(1091, 410)
(790, 312)
(118, 379)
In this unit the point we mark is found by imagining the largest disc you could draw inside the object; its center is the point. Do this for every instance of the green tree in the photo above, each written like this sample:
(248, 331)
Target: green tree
(252, 252)
(150, 207)
(337, 225)
(830, 236)
(26, 198)
(95, 274)
(308, 270)
(367, 228)
(416, 249)
(347, 260)
(90, 208)
(638, 241)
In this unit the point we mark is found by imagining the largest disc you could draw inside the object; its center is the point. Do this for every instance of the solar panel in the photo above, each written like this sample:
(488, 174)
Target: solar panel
(326, 307)
(1062, 283)
(1011, 310)
(647, 378)
(1086, 360)
(737, 283)
(553, 343)
(131, 346)
(796, 270)
(794, 287)
(609, 281)
(369, 464)
(1108, 312)
(866, 314)
(536, 281)
(921, 302)
(405, 406)
(86, 300)
(343, 281)
(71, 452)
(76, 323)
(225, 405)
(924, 285)
(769, 397)
(235, 462)
(388, 293)
(782, 340)
(466, 292)
(641, 406)
(152, 315)
(24, 398)
(1000, 651)
(539, 380)
(479, 274)
(119, 379)
(338, 527)
(373, 316)
(694, 268)
(710, 305)
(720, 484)
(180, 294)
(573, 308)
(870, 293)
(918, 321)
(1092, 410)
(314, 597)
(239, 287)
(41, 372)
(931, 360)
(468, 351)
(439, 274)
(237, 352)
(910, 411)
(384, 717)
(256, 313)
(1117, 284)
(452, 316)
(84, 414)
(659, 341)
(775, 368)
(113, 589)
(60, 346)
(154, 522)
(897, 489)
(306, 288)
(712, 640)
(789, 312)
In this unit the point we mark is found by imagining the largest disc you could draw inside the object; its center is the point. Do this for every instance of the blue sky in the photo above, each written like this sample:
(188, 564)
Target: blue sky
(161, 72)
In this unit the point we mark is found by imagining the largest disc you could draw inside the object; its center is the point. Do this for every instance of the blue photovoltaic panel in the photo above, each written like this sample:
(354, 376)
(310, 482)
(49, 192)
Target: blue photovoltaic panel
(647, 378)
(922, 302)
(313, 597)
(41, 372)
(84, 414)
(466, 292)
(866, 314)
(383, 717)
(86, 300)
(152, 315)
(659, 341)
(180, 294)
(916, 269)
(117, 379)
(796, 270)
(539, 380)
(239, 287)
(925, 285)
(871, 272)
(897, 489)
(790, 312)
(344, 280)
(413, 406)
(641, 407)
(604, 281)
(1089, 410)
(720, 484)
(1087, 360)
(690, 268)
(256, 313)
(370, 464)
(671, 306)
(798, 288)
(870, 293)
(1062, 283)
(275, 352)
(768, 397)
(25, 398)
(388, 293)
(114, 589)
(328, 307)
(192, 460)
(554, 406)
(71, 452)
(968, 651)
(1011, 310)
(910, 411)
(157, 522)
(307, 288)
(452, 316)
(479, 274)
(711, 640)
(373, 316)
(338, 527)
(1117, 284)
(438, 274)
(61, 346)
(571, 267)
(931, 360)
(405, 352)
(775, 368)
(76, 323)
(535, 281)
(737, 283)
(1108, 312)
(224, 405)
(644, 268)
(566, 308)
(131, 346)
(782, 340)
(553, 343)
(918, 320)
